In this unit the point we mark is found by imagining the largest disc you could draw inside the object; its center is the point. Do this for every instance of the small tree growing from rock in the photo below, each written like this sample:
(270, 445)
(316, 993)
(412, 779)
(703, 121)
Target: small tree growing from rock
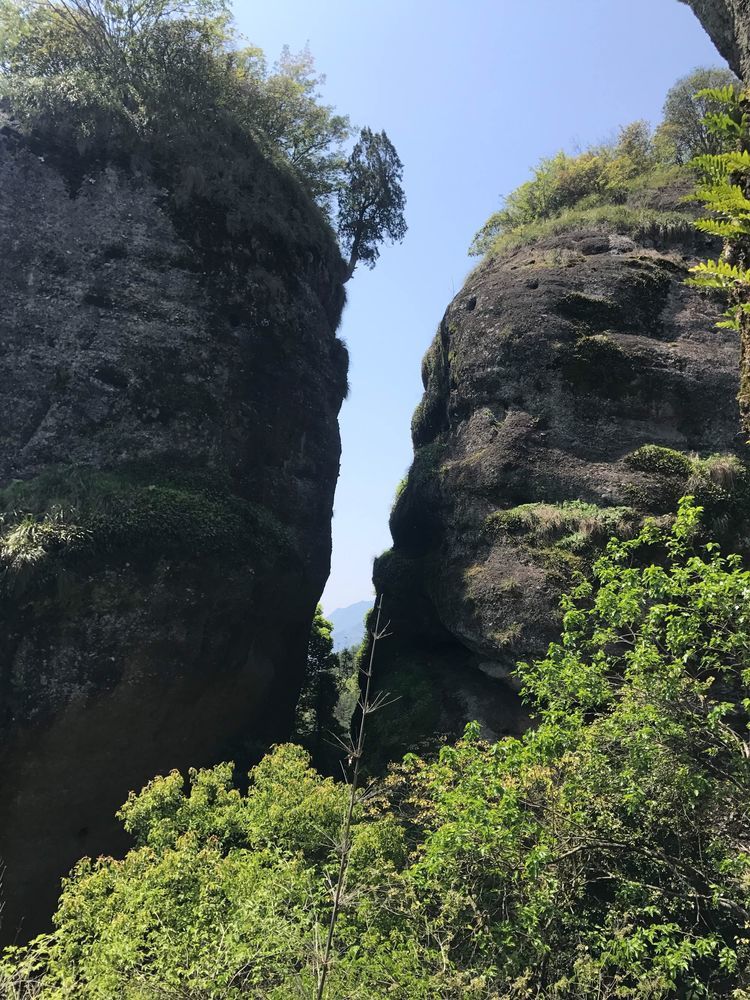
(371, 200)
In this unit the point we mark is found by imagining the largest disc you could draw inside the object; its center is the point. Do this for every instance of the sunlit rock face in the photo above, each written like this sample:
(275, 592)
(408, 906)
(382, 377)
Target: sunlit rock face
(554, 372)
(169, 450)
(728, 25)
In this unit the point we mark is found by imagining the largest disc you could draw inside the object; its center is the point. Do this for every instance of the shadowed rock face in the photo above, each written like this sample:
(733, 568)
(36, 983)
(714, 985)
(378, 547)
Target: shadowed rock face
(727, 23)
(169, 444)
(551, 370)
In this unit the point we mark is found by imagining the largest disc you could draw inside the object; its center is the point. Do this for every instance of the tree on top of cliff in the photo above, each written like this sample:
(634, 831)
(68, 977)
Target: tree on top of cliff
(287, 112)
(371, 199)
(112, 42)
(133, 66)
(163, 83)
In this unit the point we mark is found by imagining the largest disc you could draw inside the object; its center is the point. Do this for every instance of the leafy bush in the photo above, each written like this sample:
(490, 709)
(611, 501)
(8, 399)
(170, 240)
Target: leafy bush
(573, 524)
(615, 185)
(602, 854)
(654, 458)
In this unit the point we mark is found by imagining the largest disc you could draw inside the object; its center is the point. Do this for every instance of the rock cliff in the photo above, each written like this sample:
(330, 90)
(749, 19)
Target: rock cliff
(168, 456)
(575, 385)
(728, 25)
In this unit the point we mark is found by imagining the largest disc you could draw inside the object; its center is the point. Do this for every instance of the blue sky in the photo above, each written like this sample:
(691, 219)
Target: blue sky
(472, 94)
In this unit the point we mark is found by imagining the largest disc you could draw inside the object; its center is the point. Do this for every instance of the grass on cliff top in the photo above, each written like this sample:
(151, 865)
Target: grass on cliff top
(720, 483)
(661, 227)
(632, 187)
(573, 525)
(137, 510)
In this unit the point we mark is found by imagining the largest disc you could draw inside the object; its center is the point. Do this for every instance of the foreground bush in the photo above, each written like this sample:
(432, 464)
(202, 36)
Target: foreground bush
(604, 854)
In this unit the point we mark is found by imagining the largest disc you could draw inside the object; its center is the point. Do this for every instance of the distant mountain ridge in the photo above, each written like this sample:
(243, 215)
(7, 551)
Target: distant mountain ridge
(349, 625)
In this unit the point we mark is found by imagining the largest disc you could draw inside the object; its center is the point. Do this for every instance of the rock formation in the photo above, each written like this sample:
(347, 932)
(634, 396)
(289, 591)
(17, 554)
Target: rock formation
(728, 25)
(168, 456)
(575, 385)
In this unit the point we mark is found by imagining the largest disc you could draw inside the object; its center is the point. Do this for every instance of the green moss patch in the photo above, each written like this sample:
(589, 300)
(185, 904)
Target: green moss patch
(573, 526)
(659, 460)
(142, 511)
(719, 483)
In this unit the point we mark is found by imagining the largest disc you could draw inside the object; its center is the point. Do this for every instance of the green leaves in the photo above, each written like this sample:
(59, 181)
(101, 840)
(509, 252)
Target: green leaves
(602, 854)
(719, 275)
(371, 199)
(164, 77)
(726, 178)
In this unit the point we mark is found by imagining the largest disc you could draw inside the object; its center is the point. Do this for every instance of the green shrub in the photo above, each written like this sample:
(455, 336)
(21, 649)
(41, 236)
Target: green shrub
(630, 186)
(604, 853)
(573, 524)
(660, 226)
(659, 460)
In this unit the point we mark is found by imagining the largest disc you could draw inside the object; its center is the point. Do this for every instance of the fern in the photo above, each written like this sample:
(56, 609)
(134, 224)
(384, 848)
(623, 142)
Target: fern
(728, 199)
(725, 179)
(717, 227)
(721, 276)
(718, 274)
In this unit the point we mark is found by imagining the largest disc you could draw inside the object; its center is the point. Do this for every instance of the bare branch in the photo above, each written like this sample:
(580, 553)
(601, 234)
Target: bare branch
(355, 798)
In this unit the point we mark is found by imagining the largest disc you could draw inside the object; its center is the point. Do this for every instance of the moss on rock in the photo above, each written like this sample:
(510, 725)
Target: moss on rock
(659, 460)
(573, 524)
(140, 511)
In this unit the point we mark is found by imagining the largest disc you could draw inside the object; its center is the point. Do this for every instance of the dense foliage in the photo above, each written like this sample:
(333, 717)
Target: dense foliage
(686, 108)
(604, 854)
(618, 184)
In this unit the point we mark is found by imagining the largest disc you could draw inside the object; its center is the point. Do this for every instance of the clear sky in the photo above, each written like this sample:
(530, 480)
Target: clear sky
(472, 93)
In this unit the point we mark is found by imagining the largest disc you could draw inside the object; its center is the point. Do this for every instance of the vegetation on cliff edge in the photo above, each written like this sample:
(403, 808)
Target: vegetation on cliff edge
(631, 185)
(166, 86)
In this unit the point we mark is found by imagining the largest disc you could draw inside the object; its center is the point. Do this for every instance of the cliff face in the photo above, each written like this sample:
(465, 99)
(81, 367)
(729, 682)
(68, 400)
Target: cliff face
(168, 457)
(728, 25)
(574, 386)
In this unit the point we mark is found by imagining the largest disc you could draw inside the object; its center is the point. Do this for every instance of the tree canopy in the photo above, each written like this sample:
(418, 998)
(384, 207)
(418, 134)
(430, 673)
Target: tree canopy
(287, 111)
(316, 725)
(685, 109)
(167, 81)
(371, 199)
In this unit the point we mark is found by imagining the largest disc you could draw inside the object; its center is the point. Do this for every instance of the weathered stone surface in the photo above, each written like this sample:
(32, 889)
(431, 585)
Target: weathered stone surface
(728, 25)
(176, 403)
(551, 368)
